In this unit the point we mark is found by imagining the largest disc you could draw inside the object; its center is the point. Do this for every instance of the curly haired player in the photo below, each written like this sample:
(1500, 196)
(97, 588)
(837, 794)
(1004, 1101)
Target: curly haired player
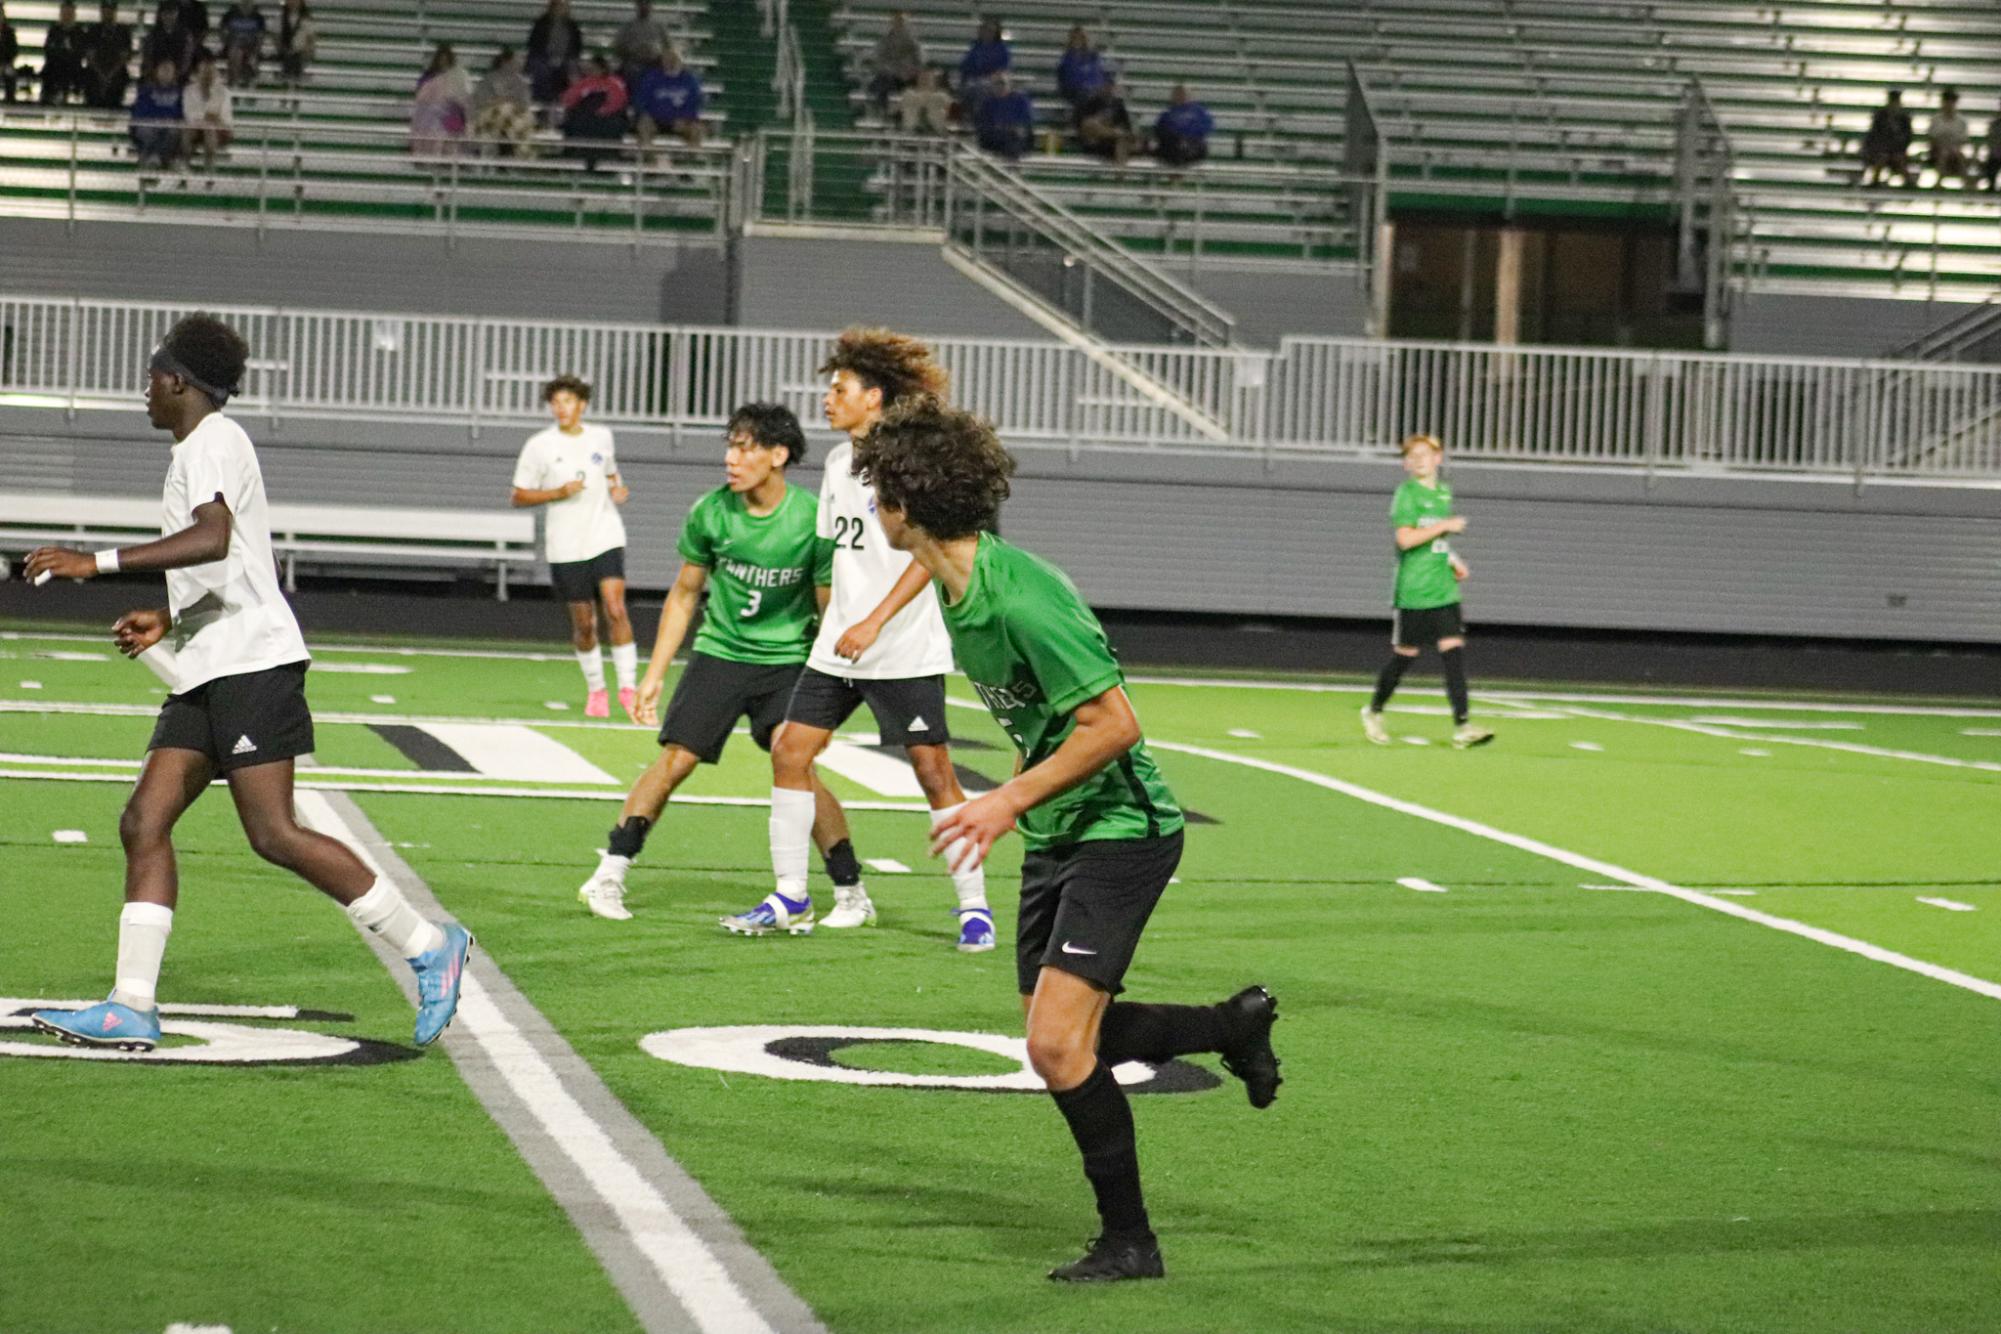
(1102, 830)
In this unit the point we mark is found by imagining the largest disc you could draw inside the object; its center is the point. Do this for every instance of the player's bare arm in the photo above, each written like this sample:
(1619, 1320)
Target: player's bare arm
(863, 633)
(1106, 729)
(524, 497)
(675, 615)
(1409, 537)
(204, 540)
(620, 492)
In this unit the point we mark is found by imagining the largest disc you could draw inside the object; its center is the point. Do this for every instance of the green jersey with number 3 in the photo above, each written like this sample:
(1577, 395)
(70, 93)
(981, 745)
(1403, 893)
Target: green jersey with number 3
(1034, 652)
(1424, 573)
(763, 569)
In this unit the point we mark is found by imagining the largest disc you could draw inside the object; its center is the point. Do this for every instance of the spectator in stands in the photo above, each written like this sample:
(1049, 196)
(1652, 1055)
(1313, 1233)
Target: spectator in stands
(897, 62)
(985, 60)
(297, 38)
(1082, 71)
(1005, 122)
(442, 108)
(63, 49)
(1104, 126)
(156, 117)
(1181, 135)
(502, 118)
(554, 44)
(1886, 147)
(243, 41)
(106, 59)
(1990, 168)
(594, 114)
(10, 51)
(194, 17)
(207, 111)
(668, 98)
(1946, 138)
(639, 44)
(169, 40)
(926, 108)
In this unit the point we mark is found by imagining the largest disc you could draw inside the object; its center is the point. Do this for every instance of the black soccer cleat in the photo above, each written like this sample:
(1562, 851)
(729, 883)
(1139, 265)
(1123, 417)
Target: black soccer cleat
(1112, 1259)
(1248, 1016)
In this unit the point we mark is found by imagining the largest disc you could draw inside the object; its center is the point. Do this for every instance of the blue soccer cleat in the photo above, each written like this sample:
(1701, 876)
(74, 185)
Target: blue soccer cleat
(777, 913)
(107, 1024)
(439, 975)
(976, 930)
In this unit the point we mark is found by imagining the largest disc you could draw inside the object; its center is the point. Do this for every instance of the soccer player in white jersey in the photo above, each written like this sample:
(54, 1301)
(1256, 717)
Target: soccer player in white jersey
(881, 642)
(238, 707)
(572, 468)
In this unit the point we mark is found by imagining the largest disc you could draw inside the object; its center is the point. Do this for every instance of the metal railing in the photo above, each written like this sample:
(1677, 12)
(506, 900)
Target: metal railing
(1655, 411)
(1705, 212)
(1973, 335)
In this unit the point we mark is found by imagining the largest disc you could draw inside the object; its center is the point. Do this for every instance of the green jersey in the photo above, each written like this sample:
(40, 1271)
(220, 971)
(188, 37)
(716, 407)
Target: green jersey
(1424, 574)
(1034, 652)
(762, 572)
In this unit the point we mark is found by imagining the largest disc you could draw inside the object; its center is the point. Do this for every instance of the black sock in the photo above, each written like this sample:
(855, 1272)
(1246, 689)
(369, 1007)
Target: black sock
(1157, 1033)
(629, 836)
(1455, 681)
(1101, 1121)
(842, 867)
(1386, 681)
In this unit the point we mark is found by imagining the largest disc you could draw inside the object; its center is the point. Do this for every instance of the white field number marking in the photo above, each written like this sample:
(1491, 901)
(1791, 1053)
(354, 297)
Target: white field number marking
(1950, 905)
(1420, 884)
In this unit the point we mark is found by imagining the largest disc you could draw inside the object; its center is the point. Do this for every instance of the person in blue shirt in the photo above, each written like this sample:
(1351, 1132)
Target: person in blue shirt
(1005, 123)
(1082, 71)
(156, 117)
(1181, 135)
(668, 97)
(985, 60)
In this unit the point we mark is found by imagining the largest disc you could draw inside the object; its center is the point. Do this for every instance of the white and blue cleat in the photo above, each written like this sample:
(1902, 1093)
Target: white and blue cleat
(777, 913)
(106, 1024)
(439, 977)
(976, 930)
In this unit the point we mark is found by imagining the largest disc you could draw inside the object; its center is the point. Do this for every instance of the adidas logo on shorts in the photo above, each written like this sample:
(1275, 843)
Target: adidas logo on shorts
(918, 724)
(244, 745)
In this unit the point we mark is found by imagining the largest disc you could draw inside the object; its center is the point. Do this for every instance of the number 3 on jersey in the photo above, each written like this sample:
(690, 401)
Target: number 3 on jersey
(750, 607)
(848, 532)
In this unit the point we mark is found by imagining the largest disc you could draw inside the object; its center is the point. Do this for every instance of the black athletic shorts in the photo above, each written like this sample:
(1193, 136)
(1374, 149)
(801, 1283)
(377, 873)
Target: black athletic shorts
(238, 721)
(1425, 626)
(577, 580)
(909, 711)
(1084, 905)
(714, 692)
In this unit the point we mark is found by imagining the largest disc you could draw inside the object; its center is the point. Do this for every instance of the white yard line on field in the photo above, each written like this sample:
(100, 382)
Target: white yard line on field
(1773, 739)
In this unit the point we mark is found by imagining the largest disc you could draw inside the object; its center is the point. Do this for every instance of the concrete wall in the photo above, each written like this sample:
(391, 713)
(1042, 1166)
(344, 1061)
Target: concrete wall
(1188, 533)
(791, 282)
(1785, 324)
(1270, 303)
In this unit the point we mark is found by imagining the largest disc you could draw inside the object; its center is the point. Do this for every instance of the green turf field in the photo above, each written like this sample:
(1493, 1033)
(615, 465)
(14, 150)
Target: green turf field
(1661, 1013)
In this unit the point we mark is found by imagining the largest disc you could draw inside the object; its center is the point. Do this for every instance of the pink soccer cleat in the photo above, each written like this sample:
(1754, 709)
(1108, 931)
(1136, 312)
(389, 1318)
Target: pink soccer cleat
(628, 699)
(597, 704)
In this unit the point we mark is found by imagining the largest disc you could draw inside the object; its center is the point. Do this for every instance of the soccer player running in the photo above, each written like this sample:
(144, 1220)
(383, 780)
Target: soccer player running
(882, 643)
(1426, 594)
(1102, 831)
(238, 706)
(752, 544)
(572, 468)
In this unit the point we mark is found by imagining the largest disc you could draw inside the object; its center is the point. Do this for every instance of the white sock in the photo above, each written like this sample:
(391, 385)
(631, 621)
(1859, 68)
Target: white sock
(142, 942)
(593, 668)
(383, 911)
(612, 865)
(971, 884)
(791, 839)
(625, 661)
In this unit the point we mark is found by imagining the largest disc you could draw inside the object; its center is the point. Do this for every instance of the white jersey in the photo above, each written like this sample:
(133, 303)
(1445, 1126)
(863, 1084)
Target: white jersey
(866, 567)
(586, 524)
(230, 617)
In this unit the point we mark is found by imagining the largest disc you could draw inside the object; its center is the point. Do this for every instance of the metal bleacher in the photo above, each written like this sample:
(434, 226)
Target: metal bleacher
(335, 149)
(1565, 104)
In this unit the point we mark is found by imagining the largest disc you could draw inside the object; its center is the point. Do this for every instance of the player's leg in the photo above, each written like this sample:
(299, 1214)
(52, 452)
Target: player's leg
(911, 713)
(1403, 651)
(1452, 655)
(803, 812)
(181, 760)
(604, 892)
(584, 640)
(618, 629)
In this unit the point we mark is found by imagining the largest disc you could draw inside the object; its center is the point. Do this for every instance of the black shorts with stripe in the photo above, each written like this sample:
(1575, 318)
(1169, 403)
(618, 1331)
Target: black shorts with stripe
(714, 692)
(908, 711)
(1421, 627)
(238, 721)
(1084, 905)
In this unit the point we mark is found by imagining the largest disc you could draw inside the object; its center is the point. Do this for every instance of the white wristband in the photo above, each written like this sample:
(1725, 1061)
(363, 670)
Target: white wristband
(107, 561)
